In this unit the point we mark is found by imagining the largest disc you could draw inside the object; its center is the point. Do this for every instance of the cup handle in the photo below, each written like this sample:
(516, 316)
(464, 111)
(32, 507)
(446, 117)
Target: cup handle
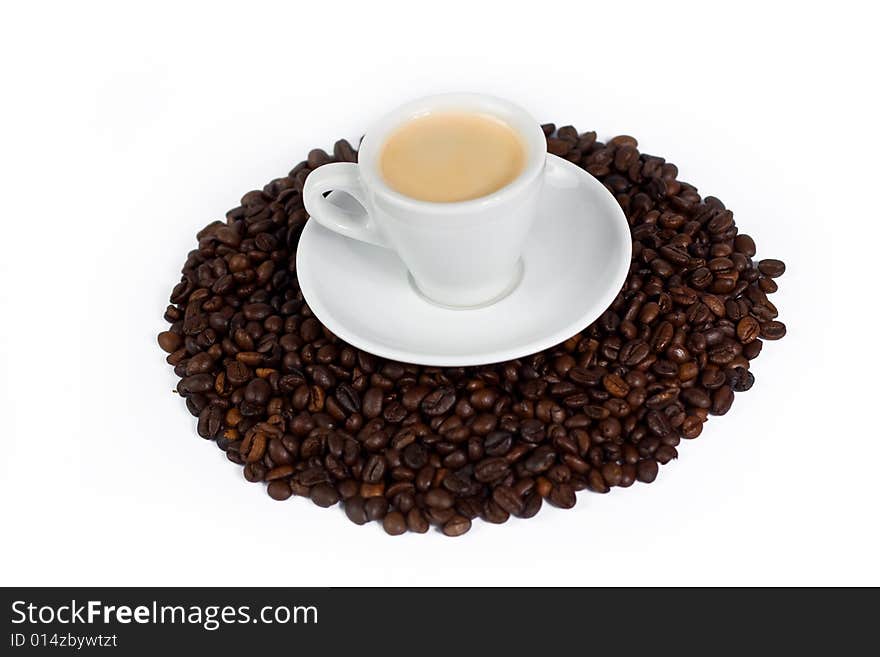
(343, 177)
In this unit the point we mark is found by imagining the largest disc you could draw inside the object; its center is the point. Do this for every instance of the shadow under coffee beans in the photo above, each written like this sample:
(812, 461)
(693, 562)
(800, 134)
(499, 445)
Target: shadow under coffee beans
(414, 446)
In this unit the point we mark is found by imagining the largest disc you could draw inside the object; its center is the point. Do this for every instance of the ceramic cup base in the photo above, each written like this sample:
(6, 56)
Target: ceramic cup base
(514, 283)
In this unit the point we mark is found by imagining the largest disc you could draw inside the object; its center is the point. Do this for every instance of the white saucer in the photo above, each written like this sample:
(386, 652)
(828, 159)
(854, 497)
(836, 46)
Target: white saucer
(576, 260)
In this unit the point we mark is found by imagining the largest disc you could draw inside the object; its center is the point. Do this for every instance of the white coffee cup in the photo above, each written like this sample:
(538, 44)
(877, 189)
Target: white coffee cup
(459, 254)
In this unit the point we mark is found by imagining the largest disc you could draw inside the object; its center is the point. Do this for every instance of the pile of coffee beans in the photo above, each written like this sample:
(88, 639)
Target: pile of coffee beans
(411, 446)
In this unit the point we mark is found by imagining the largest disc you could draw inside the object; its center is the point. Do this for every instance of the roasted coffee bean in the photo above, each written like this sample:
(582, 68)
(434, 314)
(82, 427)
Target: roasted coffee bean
(456, 526)
(438, 516)
(438, 402)
(376, 508)
(596, 482)
(771, 268)
(712, 378)
(612, 473)
(469, 507)
(169, 342)
(394, 523)
(491, 469)
(532, 430)
(348, 398)
(540, 460)
(279, 490)
(257, 391)
(493, 513)
(254, 472)
(280, 472)
(772, 330)
(615, 385)
(313, 416)
(745, 244)
(562, 495)
(439, 499)
(354, 509)
(498, 443)
(696, 397)
(748, 329)
(210, 422)
(374, 469)
(394, 413)
(508, 499)
(197, 383)
(415, 455)
(647, 470)
(324, 495)
(416, 522)
(347, 488)
(372, 404)
(456, 483)
(721, 400)
(657, 423)
(531, 505)
(744, 381)
(665, 454)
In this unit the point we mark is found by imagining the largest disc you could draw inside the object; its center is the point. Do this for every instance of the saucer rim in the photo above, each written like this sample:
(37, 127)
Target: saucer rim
(474, 359)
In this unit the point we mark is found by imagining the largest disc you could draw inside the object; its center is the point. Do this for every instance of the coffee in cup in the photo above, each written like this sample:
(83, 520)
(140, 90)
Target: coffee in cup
(452, 156)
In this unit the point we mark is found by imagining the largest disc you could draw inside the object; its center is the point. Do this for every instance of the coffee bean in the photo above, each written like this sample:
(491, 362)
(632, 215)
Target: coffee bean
(254, 472)
(491, 469)
(257, 311)
(532, 430)
(507, 499)
(348, 398)
(456, 526)
(744, 244)
(439, 498)
(531, 505)
(279, 490)
(416, 522)
(722, 400)
(197, 383)
(615, 385)
(696, 397)
(415, 455)
(372, 404)
(498, 443)
(394, 413)
(354, 509)
(257, 391)
(237, 373)
(280, 472)
(771, 268)
(665, 453)
(647, 470)
(744, 381)
(324, 495)
(438, 402)
(772, 330)
(596, 482)
(394, 523)
(748, 329)
(562, 495)
(540, 460)
(612, 473)
(376, 508)
(374, 469)
(169, 342)
(437, 516)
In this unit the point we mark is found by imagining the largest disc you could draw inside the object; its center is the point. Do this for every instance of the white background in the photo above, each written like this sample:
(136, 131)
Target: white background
(128, 126)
